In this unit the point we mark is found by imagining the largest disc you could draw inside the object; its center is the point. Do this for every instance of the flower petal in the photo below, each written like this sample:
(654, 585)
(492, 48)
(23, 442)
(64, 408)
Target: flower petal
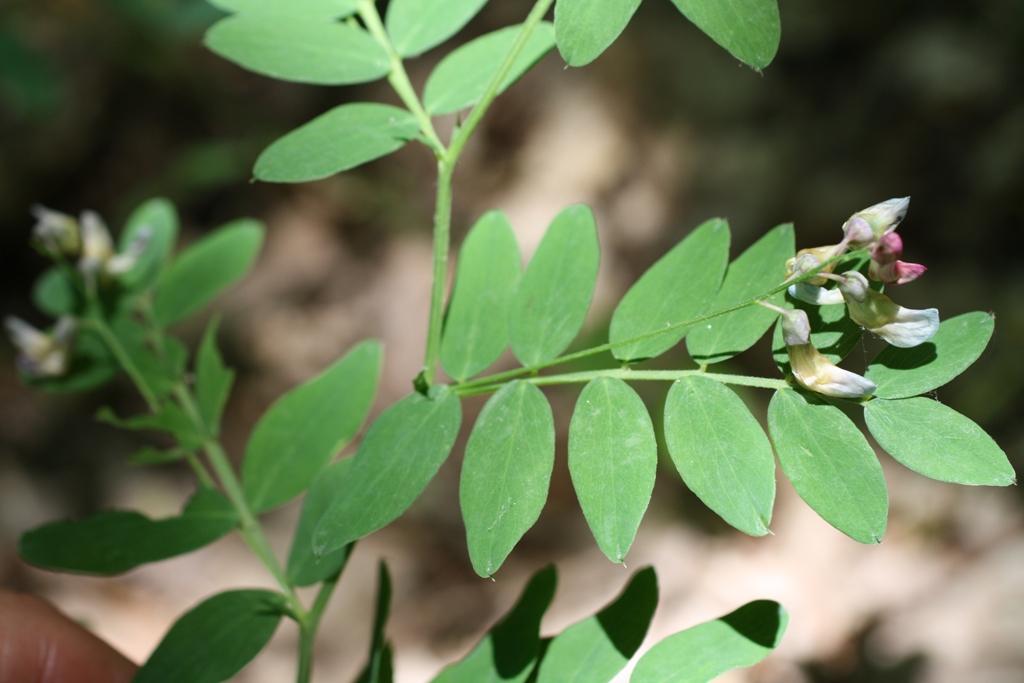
(813, 294)
(910, 327)
(817, 373)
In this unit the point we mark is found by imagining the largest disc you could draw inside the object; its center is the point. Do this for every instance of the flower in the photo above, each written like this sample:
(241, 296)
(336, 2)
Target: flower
(58, 232)
(881, 219)
(874, 311)
(811, 369)
(885, 265)
(42, 354)
(98, 256)
(806, 291)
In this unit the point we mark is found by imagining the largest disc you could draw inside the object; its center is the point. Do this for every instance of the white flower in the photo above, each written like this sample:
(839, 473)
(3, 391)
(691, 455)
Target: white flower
(811, 369)
(882, 218)
(878, 314)
(58, 232)
(42, 354)
(98, 256)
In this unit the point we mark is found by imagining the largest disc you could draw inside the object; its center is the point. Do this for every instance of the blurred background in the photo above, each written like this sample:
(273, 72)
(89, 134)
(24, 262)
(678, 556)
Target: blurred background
(105, 103)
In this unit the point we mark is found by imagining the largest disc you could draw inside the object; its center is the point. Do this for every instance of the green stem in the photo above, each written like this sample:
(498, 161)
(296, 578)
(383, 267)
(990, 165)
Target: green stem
(442, 241)
(753, 301)
(127, 364)
(308, 627)
(631, 375)
(399, 79)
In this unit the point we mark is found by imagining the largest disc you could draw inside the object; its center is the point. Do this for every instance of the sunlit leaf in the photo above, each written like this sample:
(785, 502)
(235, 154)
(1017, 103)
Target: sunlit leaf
(304, 49)
(505, 473)
(938, 442)
(476, 326)
(597, 648)
(400, 454)
(704, 652)
(345, 137)
(508, 652)
(613, 456)
(116, 541)
(215, 639)
(830, 464)
(585, 28)
(554, 293)
(305, 428)
(460, 79)
(679, 287)
(205, 268)
(748, 29)
(900, 373)
(721, 452)
(755, 271)
(415, 26)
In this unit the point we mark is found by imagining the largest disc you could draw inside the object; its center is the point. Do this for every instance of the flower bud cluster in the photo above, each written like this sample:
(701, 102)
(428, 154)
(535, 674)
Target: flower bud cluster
(872, 229)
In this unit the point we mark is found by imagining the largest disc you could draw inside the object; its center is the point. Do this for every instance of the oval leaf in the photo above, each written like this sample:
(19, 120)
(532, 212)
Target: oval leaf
(900, 373)
(721, 452)
(343, 138)
(116, 541)
(679, 287)
(585, 28)
(415, 26)
(398, 457)
(938, 442)
(554, 294)
(303, 49)
(216, 639)
(476, 325)
(306, 427)
(595, 649)
(508, 652)
(699, 654)
(748, 29)
(327, 9)
(830, 464)
(304, 567)
(205, 268)
(506, 472)
(756, 271)
(460, 79)
(157, 219)
(55, 293)
(613, 456)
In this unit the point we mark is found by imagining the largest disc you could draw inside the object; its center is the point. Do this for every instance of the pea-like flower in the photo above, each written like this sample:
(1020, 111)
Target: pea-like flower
(871, 224)
(808, 291)
(886, 266)
(98, 256)
(42, 354)
(877, 313)
(811, 369)
(57, 232)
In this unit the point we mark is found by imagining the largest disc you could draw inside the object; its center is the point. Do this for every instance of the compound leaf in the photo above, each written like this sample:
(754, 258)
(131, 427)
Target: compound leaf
(613, 456)
(505, 473)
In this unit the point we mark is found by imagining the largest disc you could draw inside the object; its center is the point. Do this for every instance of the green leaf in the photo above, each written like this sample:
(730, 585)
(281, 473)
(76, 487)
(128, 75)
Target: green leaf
(476, 325)
(155, 456)
(213, 379)
(613, 456)
(699, 654)
(90, 366)
(306, 568)
(585, 28)
(215, 639)
(938, 442)
(460, 79)
(157, 219)
(415, 26)
(160, 361)
(830, 464)
(116, 541)
(680, 286)
(506, 472)
(832, 332)
(721, 452)
(205, 268)
(757, 270)
(400, 454)
(305, 428)
(304, 49)
(507, 654)
(748, 29)
(54, 293)
(595, 649)
(379, 668)
(900, 373)
(343, 138)
(327, 9)
(554, 294)
(170, 418)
